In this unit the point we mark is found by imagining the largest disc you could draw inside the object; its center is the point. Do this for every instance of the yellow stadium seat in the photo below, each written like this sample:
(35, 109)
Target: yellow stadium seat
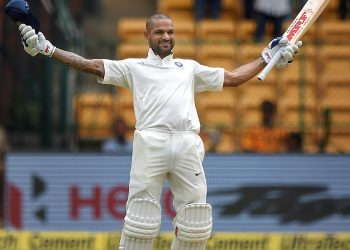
(231, 9)
(94, 115)
(294, 95)
(177, 9)
(339, 142)
(334, 31)
(331, 12)
(218, 31)
(246, 30)
(217, 109)
(130, 29)
(301, 69)
(137, 50)
(335, 71)
(293, 117)
(227, 143)
(166, 5)
(184, 31)
(124, 106)
(336, 96)
(187, 51)
(223, 55)
(251, 96)
(249, 52)
(332, 51)
(335, 61)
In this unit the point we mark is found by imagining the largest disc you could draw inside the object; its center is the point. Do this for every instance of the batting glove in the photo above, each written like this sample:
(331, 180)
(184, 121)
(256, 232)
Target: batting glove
(35, 43)
(287, 53)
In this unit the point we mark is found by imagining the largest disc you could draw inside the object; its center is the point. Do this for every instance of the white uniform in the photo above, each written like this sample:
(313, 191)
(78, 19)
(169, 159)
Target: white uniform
(166, 142)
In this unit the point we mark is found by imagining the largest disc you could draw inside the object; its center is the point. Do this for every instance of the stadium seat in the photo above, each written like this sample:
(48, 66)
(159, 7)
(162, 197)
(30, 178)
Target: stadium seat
(335, 62)
(94, 114)
(331, 51)
(227, 143)
(177, 9)
(336, 96)
(251, 95)
(294, 96)
(218, 31)
(334, 31)
(184, 31)
(217, 109)
(130, 29)
(246, 31)
(231, 9)
(249, 52)
(187, 51)
(124, 106)
(335, 72)
(331, 12)
(303, 68)
(132, 50)
(223, 55)
(339, 142)
(292, 117)
(293, 99)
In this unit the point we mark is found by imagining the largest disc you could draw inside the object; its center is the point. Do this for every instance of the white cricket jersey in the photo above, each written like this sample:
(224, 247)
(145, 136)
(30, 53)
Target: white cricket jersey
(163, 89)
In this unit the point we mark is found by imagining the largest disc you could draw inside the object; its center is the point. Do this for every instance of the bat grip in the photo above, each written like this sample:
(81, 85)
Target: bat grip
(270, 65)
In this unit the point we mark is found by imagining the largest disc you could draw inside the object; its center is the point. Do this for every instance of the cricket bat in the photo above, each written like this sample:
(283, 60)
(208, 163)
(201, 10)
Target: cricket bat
(306, 17)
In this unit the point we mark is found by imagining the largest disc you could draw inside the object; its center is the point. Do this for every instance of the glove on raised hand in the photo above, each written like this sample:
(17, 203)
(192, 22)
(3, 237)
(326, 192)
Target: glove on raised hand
(287, 54)
(35, 43)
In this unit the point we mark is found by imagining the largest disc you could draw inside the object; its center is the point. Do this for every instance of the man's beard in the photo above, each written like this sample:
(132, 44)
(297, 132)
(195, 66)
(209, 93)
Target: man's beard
(159, 50)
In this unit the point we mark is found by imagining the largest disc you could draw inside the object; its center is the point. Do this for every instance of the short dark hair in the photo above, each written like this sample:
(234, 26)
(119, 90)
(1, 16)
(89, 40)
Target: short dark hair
(156, 16)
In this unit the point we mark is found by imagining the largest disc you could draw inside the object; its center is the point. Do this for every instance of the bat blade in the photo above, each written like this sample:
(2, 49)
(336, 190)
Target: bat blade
(306, 17)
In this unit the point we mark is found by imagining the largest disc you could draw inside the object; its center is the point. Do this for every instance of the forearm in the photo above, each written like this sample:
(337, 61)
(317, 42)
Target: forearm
(244, 73)
(94, 66)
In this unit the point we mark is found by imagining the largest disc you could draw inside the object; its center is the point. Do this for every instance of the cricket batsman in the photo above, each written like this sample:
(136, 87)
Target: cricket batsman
(166, 141)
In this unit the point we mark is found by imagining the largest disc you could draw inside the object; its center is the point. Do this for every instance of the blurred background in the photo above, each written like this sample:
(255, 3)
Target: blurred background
(46, 107)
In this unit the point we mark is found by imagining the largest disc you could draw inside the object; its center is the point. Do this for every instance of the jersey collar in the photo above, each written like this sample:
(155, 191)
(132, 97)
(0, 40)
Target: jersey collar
(155, 58)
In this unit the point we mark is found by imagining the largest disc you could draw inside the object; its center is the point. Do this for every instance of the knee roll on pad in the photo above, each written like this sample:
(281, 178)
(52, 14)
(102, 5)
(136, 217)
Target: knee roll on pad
(193, 224)
(141, 224)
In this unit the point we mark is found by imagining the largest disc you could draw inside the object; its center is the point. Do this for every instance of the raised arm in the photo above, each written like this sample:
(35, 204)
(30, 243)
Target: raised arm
(244, 73)
(92, 66)
(36, 43)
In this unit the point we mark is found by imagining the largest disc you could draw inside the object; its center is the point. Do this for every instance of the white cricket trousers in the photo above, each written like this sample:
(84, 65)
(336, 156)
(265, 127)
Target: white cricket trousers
(175, 156)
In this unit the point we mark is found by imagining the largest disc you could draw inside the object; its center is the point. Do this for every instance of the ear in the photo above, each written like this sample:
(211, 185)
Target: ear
(145, 34)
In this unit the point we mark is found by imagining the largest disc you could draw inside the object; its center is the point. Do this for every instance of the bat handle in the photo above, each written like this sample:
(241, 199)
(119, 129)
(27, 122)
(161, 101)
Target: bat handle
(270, 65)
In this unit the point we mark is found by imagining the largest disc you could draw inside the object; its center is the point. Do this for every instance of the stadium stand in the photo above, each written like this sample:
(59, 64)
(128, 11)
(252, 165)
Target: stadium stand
(318, 78)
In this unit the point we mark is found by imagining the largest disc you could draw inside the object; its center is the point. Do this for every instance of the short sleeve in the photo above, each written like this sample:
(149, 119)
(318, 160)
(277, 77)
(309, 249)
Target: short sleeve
(116, 73)
(208, 78)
